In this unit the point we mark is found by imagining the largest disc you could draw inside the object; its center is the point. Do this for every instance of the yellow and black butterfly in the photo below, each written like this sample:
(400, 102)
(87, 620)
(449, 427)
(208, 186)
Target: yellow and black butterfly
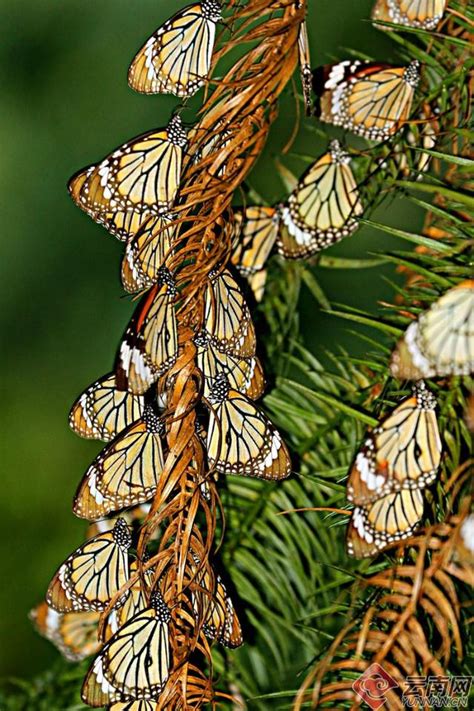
(150, 344)
(146, 253)
(74, 634)
(323, 207)
(241, 439)
(142, 705)
(305, 66)
(441, 341)
(370, 99)
(423, 14)
(139, 179)
(91, 576)
(243, 374)
(177, 57)
(387, 520)
(402, 452)
(227, 317)
(125, 473)
(256, 229)
(136, 601)
(134, 664)
(214, 604)
(102, 411)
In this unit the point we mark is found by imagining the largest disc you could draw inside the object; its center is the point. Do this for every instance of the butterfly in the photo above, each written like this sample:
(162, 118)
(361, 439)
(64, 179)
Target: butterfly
(139, 179)
(391, 518)
(102, 411)
(227, 317)
(441, 341)
(177, 57)
(402, 452)
(125, 473)
(220, 619)
(145, 254)
(370, 99)
(74, 634)
(322, 208)
(91, 576)
(136, 601)
(243, 374)
(423, 14)
(134, 664)
(241, 439)
(149, 346)
(142, 705)
(256, 229)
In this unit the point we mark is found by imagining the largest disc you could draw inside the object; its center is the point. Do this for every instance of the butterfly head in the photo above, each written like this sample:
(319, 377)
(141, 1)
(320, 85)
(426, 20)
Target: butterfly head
(122, 536)
(211, 10)
(202, 339)
(152, 421)
(220, 389)
(158, 603)
(338, 155)
(412, 73)
(165, 277)
(176, 132)
(425, 400)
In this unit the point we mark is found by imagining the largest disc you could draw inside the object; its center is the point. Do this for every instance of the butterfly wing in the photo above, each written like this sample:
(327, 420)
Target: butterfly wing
(222, 623)
(124, 474)
(227, 317)
(323, 207)
(387, 520)
(145, 254)
(244, 374)
(134, 664)
(371, 100)
(423, 14)
(89, 578)
(74, 634)
(176, 59)
(255, 235)
(142, 705)
(150, 344)
(241, 439)
(102, 411)
(403, 452)
(139, 179)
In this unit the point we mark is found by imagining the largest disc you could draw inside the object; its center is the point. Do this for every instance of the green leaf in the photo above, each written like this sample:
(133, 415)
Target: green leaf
(456, 195)
(368, 321)
(447, 157)
(435, 245)
(348, 263)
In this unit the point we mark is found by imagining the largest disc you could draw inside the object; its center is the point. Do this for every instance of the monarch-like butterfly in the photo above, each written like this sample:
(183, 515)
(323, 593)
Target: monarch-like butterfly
(389, 519)
(136, 600)
(102, 411)
(134, 664)
(227, 317)
(150, 344)
(241, 439)
(145, 254)
(139, 179)
(125, 473)
(243, 374)
(142, 705)
(74, 634)
(211, 150)
(322, 208)
(441, 341)
(256, 229)
(221, 622)
(402, 452)
(90, 576)
(370, 99)
(177, 57)
(423, 14)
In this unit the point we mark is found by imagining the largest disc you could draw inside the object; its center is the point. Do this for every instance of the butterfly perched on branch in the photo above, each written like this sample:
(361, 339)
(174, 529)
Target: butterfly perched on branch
(441, 341)
(370, 99)
(177, 57)
(139, 179)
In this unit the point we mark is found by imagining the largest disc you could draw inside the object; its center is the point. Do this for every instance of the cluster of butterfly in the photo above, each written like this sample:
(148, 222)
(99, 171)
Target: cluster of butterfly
(402, 455)
(133, 193)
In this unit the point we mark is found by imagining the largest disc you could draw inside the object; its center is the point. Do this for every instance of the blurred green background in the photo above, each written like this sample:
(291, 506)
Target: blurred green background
(65, 103)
